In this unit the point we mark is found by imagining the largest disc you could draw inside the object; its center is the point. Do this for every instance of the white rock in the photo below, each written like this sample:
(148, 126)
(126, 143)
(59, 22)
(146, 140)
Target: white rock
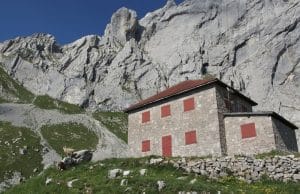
(155, 160)
(114, 173)
(193, 181)
(124, 182)
(161, 185)
(126, 172)
(70, 183)
(48, 181)
(296, 177)
(143, 171)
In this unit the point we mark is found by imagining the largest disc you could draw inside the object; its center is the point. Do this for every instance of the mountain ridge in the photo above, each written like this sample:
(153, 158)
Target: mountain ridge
(252, 45)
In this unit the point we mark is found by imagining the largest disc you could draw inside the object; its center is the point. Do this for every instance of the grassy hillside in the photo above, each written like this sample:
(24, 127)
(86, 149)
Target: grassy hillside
(46, 102)
(12, 141)
(12, 91)
(71, 135)
(93, 178)
(116, 122)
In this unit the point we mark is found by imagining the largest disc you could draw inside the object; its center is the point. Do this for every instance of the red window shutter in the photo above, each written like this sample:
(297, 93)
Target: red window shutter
(167, 146)
(248, 130)
(190, 137)
(145, 145)
(165, 111)
(145, 117)
(189, 104)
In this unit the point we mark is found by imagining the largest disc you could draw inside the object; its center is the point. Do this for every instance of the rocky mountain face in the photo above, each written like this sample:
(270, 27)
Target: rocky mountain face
(252, 45)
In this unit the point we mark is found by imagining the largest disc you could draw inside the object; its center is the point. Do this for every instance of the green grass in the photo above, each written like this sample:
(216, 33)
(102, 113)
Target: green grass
(71, 135)
(116, 122)
(93, 177)
(46, 102)
(13, 88)
(275, 153)
(11, 140)
(2, 100)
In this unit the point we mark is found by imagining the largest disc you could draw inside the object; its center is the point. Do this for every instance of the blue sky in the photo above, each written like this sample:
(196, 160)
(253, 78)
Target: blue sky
(67, 20)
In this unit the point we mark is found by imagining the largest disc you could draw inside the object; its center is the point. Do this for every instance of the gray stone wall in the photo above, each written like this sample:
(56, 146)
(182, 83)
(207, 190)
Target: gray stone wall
(235, 100)
(263, 142)
(247, 168)
(285, 137)
(221, 95)
(204, 119)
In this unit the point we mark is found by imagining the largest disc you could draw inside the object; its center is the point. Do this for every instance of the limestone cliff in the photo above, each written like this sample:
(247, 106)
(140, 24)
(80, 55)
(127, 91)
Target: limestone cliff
(252, 45)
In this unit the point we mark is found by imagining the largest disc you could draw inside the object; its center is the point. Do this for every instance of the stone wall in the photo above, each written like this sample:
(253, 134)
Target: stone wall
(263, 142)
(222, 94)
(249, 169)
(203, 119)
(285, 137)
(235, 100)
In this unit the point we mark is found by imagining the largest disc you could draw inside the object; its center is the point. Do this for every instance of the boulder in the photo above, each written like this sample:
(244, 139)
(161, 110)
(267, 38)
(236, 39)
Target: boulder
(112, 174)
(76, 158)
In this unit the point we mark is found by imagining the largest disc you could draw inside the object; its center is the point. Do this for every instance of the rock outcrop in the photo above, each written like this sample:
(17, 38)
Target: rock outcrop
(252, 45)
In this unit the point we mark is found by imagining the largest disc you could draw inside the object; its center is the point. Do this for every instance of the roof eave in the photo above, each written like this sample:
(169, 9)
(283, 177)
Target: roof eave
(133, 107)
(127, 110)
(268, 113)
(253, 103)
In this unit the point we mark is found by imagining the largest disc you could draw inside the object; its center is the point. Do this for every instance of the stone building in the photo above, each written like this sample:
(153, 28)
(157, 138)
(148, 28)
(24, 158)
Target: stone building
(205, 117)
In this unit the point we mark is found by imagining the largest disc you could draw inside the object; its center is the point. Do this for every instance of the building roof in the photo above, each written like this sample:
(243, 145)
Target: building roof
(264, 113)
(180, 88)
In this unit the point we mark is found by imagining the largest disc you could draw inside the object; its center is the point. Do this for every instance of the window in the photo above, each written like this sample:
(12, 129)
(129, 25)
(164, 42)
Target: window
(189, 104)
(248, 130)
(146, 146)
(145, 117)
(190, 137)
(165, 111)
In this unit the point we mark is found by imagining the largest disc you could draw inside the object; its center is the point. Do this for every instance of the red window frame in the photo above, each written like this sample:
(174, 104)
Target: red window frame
(190, 137)
(248, 130)
(165, 111)
(146, 117)
(146, 146)
(189, 104)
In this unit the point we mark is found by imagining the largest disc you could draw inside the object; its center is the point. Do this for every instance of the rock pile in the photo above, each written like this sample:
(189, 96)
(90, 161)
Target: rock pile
(250, 169)
(75, 158)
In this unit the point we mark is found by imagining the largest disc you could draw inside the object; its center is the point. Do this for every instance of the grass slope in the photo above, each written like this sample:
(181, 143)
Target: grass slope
(116, 122)
(12, 139)
(46, 102)
(13, 89)
(71, 135)
(92, 178)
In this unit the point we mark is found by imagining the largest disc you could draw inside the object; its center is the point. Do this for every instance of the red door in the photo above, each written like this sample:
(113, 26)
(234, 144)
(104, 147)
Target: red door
(167, 146)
